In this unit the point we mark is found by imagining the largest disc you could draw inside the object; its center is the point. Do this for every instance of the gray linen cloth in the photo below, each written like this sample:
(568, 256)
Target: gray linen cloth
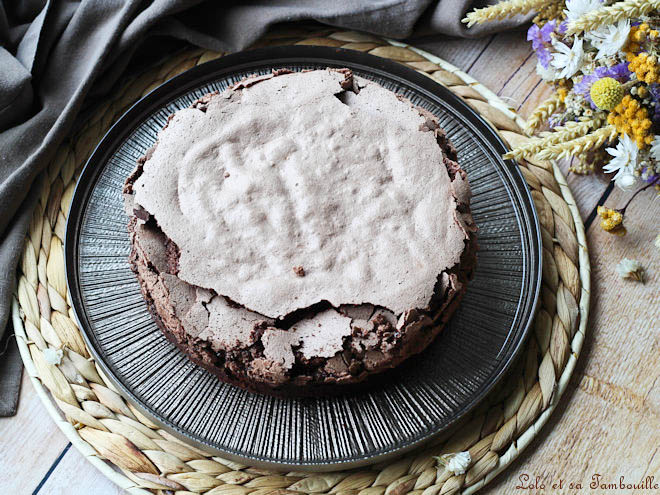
(53, 53)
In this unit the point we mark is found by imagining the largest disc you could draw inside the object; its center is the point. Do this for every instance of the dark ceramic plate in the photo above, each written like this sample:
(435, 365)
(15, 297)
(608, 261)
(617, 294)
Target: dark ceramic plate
(416, 403)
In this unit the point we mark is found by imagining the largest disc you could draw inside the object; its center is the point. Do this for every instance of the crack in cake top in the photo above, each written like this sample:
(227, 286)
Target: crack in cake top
(293, 190)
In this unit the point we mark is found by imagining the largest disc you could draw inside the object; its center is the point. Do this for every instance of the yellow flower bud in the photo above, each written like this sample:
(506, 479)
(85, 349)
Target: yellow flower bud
(562, 92)
(639, 36)
(606, 93)
(612, 220)
(629, 118)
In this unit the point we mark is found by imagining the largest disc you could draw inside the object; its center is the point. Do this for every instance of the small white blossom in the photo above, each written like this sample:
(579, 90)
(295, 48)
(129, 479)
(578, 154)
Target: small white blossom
(577, 8)
(655, 148)
(624, 162)
(53, 356)
(609, 39)
(546, 73)
(568, 60)
(457, 463)
(631, 269)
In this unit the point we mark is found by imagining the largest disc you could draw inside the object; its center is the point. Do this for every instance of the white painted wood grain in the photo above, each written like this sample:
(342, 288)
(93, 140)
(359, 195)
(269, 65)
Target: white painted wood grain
(86, 480)
(29, 443)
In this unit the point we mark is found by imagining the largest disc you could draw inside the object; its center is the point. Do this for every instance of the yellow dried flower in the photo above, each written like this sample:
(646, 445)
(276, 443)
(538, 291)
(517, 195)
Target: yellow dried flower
(606, 93)
(638, 35)
(645, 67)
(629, 117)
(611, 221)
(562, 93)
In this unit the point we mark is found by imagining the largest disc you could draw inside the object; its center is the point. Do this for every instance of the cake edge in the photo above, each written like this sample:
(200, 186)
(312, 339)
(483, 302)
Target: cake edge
(200, 352)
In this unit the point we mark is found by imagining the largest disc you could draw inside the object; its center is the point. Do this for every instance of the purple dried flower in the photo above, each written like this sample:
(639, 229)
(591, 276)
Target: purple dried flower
(541, 37)
(620, 72)
(584, 86)
(547, 30)
(534, 35)
(654, 91)
(652, 176)
(544, 56)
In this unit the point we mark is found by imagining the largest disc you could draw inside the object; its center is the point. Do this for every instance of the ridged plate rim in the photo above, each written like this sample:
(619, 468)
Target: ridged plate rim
(197, 76)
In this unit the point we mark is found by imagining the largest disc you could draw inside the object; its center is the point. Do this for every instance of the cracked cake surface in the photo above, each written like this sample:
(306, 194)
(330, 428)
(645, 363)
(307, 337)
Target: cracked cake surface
(301, 231)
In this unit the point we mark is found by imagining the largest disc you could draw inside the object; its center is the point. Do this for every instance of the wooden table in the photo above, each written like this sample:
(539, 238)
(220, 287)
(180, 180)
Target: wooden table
(608, 421)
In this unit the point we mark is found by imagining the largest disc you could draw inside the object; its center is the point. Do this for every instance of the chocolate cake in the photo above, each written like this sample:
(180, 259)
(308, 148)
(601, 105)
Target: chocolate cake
(301, 232)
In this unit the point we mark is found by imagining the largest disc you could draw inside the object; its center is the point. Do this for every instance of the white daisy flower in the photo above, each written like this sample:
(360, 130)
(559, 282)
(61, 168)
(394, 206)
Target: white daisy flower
(655, 148)
(567, 60)
(53, 356)
(546, 73)
(577, 8)
(623, 162)
(609, 39)
(631, 269)
(457, 463)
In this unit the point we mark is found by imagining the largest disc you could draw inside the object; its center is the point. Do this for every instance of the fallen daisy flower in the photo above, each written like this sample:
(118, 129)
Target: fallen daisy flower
(53, 356)
(457, 463)
(630, 269)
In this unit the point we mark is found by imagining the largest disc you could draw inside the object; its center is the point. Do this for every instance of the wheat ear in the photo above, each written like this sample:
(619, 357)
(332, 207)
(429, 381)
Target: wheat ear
(502, 10)
(542, 113)
(568, 132)
(627, 9)
(579, 145)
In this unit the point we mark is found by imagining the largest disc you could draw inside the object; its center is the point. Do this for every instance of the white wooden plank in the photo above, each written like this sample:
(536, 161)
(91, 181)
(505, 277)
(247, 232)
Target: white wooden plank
(29, 443)
(74, 475)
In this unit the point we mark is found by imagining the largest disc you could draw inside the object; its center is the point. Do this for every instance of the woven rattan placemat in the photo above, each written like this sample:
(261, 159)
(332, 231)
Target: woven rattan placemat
(142, 458)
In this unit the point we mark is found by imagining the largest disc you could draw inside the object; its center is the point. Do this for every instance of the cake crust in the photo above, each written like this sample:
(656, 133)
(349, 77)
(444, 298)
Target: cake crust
(307, 335)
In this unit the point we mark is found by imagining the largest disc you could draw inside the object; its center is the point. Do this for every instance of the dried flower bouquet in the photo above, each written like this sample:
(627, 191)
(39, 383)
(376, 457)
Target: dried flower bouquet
(603, 59)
